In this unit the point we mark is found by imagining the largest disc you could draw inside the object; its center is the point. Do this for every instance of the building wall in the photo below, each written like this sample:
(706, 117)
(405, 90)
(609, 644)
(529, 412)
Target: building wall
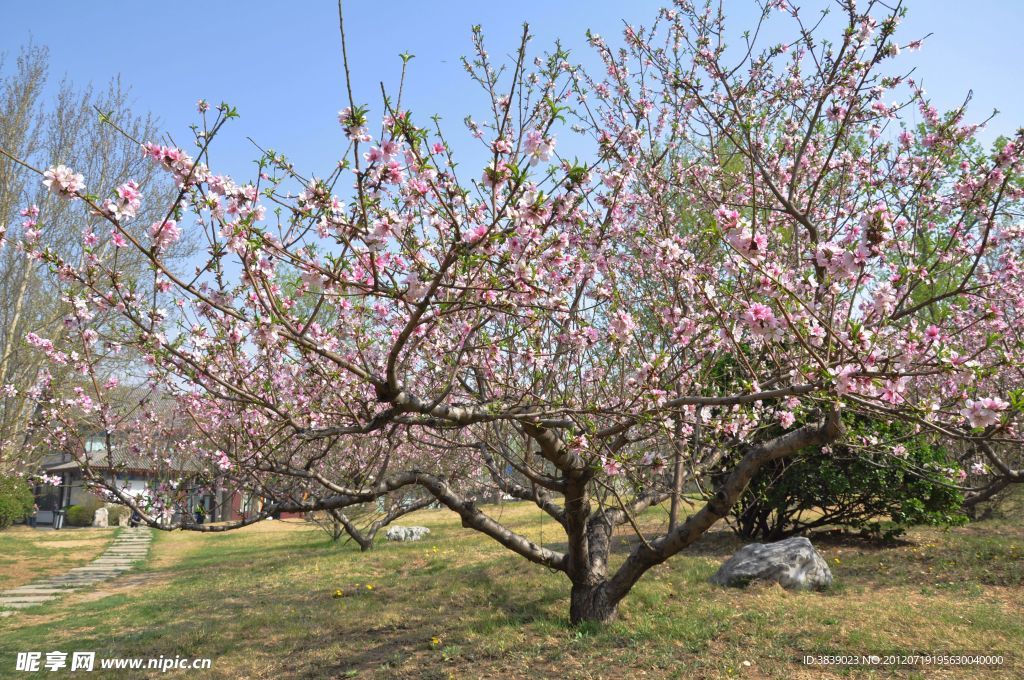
(133, 484)
(73, 491)
(225, 504)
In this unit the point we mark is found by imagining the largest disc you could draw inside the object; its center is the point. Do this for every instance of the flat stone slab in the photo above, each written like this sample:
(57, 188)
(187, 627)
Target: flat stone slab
(21, 605)
(30, 591)
(123, 553)
(97, 567)
(95, 574)
(102, 567)
(83, 573)
(79, 582)
(26, 598)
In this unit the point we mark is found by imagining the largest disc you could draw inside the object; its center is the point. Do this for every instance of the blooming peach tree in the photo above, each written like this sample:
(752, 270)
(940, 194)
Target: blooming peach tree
(760, 239)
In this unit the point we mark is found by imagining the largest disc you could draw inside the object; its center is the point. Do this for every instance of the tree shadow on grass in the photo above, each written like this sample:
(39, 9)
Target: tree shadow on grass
(424, 638)
(840, 538)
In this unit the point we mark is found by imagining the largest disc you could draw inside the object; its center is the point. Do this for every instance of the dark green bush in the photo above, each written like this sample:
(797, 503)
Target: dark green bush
(861, 487)
(76, 516)
(82, 515)
(15, 501)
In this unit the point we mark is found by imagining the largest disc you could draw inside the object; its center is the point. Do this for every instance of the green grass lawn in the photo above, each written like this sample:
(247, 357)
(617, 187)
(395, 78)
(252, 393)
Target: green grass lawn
(260, 602)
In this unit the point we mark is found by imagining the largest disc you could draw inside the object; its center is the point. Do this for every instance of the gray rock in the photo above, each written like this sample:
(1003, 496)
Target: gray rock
(399, 533)
(792, 563)
(100, 518)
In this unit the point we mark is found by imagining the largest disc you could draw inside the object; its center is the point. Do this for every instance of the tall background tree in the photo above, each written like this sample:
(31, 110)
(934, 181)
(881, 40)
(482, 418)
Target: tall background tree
(48, 125)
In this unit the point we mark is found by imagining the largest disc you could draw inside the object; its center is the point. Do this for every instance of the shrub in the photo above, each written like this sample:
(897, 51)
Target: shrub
(115, 513)
(82, 515)
(860, 487)
(15, 500)
(76, 516)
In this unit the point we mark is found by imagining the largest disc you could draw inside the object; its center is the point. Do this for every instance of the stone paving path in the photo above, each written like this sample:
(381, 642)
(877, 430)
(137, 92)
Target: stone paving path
(130, 547)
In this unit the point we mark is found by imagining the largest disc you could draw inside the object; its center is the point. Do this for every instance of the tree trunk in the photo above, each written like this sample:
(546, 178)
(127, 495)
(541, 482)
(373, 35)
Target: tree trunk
(342, 522)
(590, 603)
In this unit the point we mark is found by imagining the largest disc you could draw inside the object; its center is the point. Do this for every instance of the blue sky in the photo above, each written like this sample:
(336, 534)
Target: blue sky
(279, 63)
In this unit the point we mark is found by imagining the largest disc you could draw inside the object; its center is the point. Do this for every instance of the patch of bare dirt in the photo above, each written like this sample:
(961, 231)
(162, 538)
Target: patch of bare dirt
(91, 542)
(18, 574)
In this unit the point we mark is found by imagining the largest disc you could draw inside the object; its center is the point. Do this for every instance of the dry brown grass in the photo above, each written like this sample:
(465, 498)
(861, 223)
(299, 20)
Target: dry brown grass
(29, 554)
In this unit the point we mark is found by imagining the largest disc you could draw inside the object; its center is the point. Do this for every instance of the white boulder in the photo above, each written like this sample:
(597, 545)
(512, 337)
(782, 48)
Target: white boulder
(792, 563)
(400, 533)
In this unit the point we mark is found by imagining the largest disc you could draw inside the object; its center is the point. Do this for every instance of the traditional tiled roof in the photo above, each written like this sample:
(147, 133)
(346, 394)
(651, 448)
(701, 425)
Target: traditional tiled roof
(118, 460)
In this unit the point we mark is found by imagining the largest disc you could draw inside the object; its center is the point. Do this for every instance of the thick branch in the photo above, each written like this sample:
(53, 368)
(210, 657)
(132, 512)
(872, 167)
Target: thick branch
(645, 556)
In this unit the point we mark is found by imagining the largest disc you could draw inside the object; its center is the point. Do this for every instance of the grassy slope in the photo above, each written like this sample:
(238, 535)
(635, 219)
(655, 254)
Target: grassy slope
(259, 602)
